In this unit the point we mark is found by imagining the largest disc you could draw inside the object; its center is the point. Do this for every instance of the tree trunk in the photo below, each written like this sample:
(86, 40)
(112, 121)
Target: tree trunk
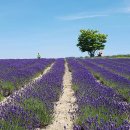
(91, 54)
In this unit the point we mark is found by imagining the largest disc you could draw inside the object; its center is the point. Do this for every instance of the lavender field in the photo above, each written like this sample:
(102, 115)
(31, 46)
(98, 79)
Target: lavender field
(87, 94)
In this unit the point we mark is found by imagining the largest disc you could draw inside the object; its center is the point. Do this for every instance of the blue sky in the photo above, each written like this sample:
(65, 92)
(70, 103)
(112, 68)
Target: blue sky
(51, 27)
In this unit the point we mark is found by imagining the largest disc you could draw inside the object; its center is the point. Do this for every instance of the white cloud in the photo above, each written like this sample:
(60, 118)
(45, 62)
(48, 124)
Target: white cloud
(81, 16)
(90, 15)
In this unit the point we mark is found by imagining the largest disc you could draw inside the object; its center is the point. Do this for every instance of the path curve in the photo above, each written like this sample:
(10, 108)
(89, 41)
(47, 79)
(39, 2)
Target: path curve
(64, 111)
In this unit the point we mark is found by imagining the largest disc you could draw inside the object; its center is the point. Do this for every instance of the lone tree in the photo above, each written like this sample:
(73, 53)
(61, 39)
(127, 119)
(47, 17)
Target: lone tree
(91, 41)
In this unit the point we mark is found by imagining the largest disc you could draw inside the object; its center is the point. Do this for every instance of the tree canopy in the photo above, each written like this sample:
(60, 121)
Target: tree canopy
(91, 41)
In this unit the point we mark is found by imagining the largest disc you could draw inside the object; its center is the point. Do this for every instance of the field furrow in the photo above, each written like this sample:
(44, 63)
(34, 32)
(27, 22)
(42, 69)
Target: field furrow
(64, 111)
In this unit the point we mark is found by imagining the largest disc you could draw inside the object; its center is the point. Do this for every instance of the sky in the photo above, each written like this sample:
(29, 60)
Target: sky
(52, 27)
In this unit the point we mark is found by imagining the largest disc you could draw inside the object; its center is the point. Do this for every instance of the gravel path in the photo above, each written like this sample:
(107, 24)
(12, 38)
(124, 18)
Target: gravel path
(20, 91)
(64, 111)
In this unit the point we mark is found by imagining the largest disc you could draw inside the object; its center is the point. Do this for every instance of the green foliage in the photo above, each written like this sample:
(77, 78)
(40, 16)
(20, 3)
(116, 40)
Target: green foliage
(39, 109)
(90, 111)
(91, 41)
(119, 56)
(7, 85)
(125, 92)
(9, 126)
(1, 97)
(75, 87)
(6, 88)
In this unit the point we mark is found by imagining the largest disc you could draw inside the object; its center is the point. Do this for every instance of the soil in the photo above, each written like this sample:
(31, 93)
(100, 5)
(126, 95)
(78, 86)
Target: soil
(64, 111)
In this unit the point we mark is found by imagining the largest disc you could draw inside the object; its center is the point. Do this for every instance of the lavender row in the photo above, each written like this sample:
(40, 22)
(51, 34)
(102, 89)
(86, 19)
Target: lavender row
(12, 64)
(117, 82)
(121, 70)
(22, 66)
(33, 107)
(125, 61)
(15, 79)
(99, 107)
(121, 63)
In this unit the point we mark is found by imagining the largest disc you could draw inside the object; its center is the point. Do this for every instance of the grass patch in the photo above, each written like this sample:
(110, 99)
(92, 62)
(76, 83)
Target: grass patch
(39, 109)
(7, 85)
(6, 125)
(1, 97)
(6, 88)
(125, 92)
(75, 87)
(101, 113)
(37, 75)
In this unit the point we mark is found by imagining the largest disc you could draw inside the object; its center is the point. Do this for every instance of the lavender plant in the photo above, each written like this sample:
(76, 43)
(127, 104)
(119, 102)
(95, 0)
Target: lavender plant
(22, 74)
(113, 67)
(33, 107)
(99, 107)
(117, 82)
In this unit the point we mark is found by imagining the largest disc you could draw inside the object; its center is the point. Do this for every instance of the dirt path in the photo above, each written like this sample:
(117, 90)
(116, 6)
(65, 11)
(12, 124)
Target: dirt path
(20, 91)
(64, 113)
